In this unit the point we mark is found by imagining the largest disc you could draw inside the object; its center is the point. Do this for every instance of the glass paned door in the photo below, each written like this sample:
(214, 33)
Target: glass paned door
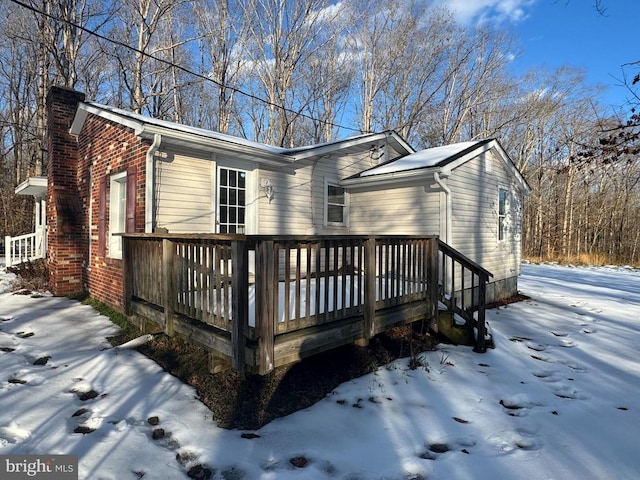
(232, 189)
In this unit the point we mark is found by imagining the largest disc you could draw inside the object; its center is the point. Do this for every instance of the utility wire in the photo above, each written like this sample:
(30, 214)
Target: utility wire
(180, 67)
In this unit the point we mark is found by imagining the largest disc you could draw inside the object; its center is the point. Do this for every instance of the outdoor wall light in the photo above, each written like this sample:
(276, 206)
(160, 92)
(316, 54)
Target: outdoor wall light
(268, 188)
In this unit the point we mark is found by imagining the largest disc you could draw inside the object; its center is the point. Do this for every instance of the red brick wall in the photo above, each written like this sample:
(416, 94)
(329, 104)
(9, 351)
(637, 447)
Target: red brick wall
(107, 148)
(76, 165)
(66, 243)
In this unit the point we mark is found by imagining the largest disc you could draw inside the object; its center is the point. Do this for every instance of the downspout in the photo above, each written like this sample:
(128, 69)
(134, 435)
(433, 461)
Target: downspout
(447, 193)
(149, 199)
(446, 274)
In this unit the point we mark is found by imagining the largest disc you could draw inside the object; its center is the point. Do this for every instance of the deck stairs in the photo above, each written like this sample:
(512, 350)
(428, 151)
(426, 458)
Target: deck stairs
(462, 287)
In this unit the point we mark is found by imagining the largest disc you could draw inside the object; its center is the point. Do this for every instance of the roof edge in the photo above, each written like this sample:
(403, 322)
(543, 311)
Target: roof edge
(301, 153)
(147, 127)
(391, 177)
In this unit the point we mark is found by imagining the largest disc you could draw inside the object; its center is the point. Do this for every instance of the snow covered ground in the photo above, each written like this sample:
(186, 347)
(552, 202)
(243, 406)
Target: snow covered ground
(558, 398)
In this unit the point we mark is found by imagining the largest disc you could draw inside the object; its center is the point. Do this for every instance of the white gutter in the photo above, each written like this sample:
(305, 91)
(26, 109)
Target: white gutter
(181, 134)
(256, 154)
(149, 183)
(388, 178)
(449, 210)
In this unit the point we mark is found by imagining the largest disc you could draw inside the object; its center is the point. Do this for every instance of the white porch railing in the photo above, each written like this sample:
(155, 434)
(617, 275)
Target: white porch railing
(25, 248)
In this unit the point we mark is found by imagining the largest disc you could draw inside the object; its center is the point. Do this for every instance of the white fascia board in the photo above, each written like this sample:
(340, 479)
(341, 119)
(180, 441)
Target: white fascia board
(255, 154)
(478, 150)
(506, 160)
(524, 186)
(502, 155)
(85, 109)
(148, 131)
(392, 178)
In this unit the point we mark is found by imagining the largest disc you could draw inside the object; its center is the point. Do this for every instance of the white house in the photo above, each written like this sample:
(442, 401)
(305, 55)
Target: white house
(160, 176)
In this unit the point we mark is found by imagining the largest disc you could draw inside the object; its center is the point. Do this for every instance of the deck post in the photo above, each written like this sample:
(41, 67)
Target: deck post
(369, 310)
(481, 346)
(265, 315)
(8, 251)
(432, 281)
(168, 284)
(240, 306)
(127, 277)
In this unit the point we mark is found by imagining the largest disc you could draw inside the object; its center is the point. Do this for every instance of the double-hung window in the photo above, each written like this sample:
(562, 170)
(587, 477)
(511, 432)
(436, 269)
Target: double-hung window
(503, 202)
(336, 205)
(117, 211)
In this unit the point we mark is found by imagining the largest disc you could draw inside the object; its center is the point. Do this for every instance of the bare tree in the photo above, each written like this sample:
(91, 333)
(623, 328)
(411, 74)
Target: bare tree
(282, 39)
(474, 85)
(146, 26)
(399, 49)
(326, 81)
(224, 31)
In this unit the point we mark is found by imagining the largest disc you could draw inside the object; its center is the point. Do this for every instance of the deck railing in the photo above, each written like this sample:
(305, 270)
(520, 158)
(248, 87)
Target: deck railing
(463, 285)
(264, 301)
(25, 248)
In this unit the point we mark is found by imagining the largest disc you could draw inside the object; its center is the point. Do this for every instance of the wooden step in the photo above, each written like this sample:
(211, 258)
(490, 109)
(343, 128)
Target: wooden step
(457, 334)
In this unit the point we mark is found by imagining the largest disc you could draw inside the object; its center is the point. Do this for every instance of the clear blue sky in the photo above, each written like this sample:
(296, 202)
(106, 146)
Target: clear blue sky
(552, 33)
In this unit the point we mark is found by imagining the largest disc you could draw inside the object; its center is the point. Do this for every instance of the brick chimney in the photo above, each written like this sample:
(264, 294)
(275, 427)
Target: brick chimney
(65, 243)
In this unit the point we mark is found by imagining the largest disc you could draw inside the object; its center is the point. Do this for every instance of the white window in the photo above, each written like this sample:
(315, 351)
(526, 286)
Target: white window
(336, 204)
(232, 191)
(503, 203)
(117, 212)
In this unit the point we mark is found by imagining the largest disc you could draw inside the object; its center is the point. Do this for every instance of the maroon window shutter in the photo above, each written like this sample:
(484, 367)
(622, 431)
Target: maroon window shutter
(102, 216)
(131, 199)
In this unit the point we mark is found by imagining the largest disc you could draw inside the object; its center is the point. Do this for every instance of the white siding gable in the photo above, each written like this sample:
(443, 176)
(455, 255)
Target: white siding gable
(475, 203)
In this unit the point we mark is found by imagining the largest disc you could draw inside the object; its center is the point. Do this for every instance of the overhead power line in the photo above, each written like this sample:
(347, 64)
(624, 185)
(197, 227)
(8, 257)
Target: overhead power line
(180, 67)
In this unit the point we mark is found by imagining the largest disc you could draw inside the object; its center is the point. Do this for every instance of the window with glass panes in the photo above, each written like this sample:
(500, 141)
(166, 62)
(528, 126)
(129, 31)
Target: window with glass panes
(232, 188)
(502, 213)
(336, 205)
(117, 215)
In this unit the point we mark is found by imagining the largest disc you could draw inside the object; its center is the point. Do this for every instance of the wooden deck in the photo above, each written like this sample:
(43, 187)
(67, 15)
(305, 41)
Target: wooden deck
(258, 302)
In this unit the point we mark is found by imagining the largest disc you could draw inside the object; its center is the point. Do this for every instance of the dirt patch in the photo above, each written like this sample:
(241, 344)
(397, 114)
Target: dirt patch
(518, 297)
(247, 402)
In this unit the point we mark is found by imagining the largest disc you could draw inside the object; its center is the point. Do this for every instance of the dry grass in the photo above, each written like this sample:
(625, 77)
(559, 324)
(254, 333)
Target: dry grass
(31, 276)
(584, 259)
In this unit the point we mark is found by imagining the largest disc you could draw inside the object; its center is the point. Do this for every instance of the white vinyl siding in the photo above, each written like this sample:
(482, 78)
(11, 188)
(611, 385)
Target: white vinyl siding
(328, 170)
(289, 211)
(185, 194)
(406, 210)
(298, 203)
(475, 210)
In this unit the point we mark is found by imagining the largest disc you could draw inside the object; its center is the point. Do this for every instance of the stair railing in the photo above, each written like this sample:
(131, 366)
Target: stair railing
(463, 290)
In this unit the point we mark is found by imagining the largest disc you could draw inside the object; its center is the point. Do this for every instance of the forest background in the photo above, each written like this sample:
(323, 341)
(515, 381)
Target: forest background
(291, 73)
